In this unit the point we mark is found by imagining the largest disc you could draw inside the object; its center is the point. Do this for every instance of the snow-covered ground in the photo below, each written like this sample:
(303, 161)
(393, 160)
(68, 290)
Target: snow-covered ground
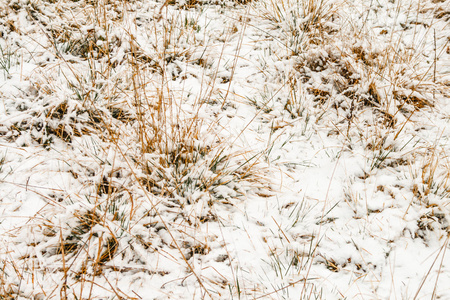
(190, 149)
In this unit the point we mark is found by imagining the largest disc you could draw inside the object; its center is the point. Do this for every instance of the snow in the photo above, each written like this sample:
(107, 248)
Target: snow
(216, 149)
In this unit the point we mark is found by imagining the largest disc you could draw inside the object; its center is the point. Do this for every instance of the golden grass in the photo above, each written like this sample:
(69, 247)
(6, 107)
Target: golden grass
(173, 158)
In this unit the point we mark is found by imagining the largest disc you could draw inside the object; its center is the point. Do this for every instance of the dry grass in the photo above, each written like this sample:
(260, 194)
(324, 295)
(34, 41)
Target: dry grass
(303, 23)
(6, 291)
(370, 89)
(169, 160)
(154, 170)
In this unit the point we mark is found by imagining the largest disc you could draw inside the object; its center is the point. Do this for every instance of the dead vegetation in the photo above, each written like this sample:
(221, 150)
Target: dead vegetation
(155, 163)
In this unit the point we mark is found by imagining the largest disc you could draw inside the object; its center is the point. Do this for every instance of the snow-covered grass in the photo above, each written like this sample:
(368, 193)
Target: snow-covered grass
(224, 149)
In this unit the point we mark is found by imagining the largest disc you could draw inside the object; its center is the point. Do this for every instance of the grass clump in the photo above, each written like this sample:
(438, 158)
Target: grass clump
(303, 23)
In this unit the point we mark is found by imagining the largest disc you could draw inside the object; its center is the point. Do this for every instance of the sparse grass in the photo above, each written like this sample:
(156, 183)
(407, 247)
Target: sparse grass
(303, 23)
(6, 60)
(431, 176)
(157, 166)
(167, 162)
(6, 291)
(371, 92)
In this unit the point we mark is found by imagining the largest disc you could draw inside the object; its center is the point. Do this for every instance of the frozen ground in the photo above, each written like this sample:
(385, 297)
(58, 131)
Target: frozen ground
(224, 149)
